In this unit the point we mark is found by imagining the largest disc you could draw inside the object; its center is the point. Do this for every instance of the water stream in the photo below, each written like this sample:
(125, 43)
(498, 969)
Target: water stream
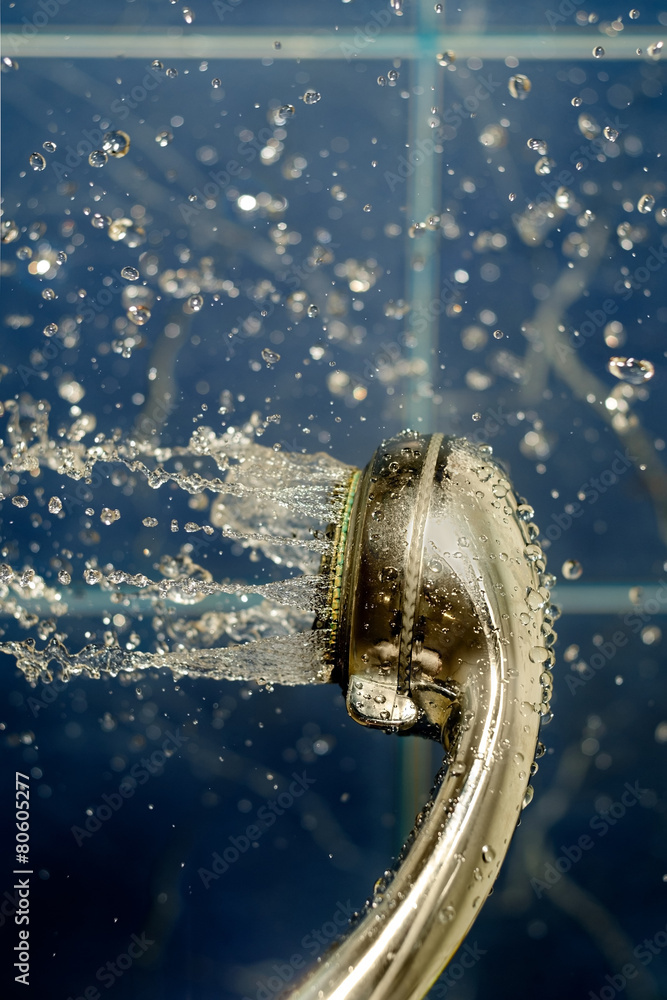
(274, 505)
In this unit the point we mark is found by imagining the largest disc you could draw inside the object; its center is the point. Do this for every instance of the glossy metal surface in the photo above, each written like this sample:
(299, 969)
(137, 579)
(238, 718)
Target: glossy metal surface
(444, 629)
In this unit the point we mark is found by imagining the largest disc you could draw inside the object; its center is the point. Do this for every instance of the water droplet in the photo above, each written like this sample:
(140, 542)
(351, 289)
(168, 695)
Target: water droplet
(538, 146)
(156, 64)
(49, 294)
(188, 15)
(446, 914)
(651, 635)
(535, 600)
(598, 52)
(61, 257)
(382, 82)
(488, 854)
(576, 102)
(50, 330)
(139, 314)
(498, 334)
(20, 501)
(271, 357)
(64, 577)
(519, 86)
(216, 83)
(312, 311)
(92, 576)
(116, 143)
(50, 147)
(528, 797)
(126, 230)
(109, 515)
(544, 165)
(9, 64)
(37, 161)
(287, 111)
(55, 505)
(571, 569)
(654, 51)
(538, 654)
(631, 370)
(171, 73)
(164, 138)
(97, 158)
(446, 58)
(610, 133)
(195, 303)
(646, 204)
(367, 208)
(150, 522)
(563, 197)
(129, 273)
(634, 14)
(8, 230)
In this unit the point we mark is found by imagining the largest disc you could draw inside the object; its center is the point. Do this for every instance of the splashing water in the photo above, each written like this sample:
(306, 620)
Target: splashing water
(274, 506)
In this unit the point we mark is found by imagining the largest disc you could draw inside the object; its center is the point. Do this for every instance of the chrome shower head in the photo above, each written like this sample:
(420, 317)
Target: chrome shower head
(441, 626)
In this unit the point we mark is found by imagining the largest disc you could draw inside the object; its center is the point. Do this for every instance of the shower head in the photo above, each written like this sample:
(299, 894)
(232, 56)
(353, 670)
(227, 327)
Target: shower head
(440, 626)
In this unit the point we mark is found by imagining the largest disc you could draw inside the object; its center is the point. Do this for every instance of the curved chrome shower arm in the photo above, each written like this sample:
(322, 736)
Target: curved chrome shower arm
(410, 930)
(409, 933)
